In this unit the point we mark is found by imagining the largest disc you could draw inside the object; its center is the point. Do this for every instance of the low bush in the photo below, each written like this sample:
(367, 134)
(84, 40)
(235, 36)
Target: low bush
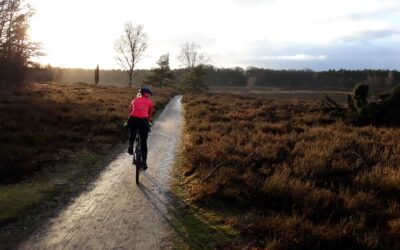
(384, 112)
(360, 95)
(395, 94)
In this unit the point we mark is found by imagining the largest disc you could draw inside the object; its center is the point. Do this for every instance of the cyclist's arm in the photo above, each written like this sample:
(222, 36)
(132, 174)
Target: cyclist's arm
(130, 108)
(150, 112)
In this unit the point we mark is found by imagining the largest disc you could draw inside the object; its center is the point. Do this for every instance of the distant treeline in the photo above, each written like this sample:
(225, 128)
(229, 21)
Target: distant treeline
(226, 76)
(236, 77)
(107, 77)
(345, 79)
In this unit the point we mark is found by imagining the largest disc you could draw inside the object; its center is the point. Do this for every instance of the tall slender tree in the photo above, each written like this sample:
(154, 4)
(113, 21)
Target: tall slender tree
(97, 75)
(130, 48)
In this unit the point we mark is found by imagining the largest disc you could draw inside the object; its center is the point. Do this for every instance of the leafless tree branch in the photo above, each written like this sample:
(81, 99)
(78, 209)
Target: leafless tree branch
(190, 56)
(130, 48)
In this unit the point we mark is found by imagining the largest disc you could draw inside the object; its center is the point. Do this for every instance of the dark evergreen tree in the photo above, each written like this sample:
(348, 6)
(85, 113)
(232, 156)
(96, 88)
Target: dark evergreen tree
(162, 75)
(97, 75)
(194, 80)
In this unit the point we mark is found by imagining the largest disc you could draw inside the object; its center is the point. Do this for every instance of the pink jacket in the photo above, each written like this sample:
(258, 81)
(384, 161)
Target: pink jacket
(141, 107)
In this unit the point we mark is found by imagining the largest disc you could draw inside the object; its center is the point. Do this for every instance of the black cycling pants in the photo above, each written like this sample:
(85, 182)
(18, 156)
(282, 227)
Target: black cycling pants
(143, 127)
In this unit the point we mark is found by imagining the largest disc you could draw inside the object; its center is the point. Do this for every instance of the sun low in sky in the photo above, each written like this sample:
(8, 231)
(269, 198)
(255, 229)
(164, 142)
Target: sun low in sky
(278, 34)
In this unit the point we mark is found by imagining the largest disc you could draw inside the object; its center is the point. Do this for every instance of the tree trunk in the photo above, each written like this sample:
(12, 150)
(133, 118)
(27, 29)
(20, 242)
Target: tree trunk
(130, 80)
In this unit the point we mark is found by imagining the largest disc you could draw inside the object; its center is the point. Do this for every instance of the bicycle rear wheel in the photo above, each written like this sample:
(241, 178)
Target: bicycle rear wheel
(137, 174)
(139, 162)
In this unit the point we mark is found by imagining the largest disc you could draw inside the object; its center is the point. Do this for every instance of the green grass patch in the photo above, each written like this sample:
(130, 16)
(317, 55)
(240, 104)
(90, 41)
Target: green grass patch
(196, 227)
(24, 205)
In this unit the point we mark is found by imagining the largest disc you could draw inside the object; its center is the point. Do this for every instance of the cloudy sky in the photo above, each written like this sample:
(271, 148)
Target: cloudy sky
(279, 34)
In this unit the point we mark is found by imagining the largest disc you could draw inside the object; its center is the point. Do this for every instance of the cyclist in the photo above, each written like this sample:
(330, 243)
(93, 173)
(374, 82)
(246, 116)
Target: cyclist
(139, 120)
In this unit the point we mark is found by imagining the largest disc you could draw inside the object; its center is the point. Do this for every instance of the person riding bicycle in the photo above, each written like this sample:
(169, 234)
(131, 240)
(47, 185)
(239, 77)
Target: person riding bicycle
(139, 120)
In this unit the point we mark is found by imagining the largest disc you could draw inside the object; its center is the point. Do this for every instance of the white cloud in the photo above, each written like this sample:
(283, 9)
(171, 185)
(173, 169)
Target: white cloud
(81, 33)
(371, 35)
(298, 57)
(253, 2)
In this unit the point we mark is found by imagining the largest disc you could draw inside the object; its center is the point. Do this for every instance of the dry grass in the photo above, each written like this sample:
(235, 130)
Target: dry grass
(299, 178)
(284, 93)
(44, 123)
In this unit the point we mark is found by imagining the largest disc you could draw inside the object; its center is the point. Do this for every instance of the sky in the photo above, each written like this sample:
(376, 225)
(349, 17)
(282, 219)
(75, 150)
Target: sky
(277, 34)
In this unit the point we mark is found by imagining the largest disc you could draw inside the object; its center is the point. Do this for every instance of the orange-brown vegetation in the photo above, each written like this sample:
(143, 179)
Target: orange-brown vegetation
(44, 123)
(295, 178)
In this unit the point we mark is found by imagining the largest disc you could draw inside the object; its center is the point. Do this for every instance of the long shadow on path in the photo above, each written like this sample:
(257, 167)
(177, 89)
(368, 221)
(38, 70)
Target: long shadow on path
(188, 224)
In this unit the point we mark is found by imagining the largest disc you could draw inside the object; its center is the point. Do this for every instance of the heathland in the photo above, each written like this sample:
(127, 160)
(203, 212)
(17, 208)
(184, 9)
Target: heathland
(53, 138)
(287, 175)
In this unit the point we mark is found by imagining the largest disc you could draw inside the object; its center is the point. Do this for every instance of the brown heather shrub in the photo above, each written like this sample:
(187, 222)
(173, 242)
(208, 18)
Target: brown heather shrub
(296, 177)
(44, 123)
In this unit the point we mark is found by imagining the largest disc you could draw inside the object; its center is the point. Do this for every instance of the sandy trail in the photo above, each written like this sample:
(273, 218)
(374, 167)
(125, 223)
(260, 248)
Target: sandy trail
(116, 213)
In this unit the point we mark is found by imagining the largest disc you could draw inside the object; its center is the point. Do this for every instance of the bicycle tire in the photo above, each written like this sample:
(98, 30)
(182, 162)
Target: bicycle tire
(138, 160)
(137, 174)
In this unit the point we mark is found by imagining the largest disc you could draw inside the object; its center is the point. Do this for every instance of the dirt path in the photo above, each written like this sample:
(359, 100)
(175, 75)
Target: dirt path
(115, 213)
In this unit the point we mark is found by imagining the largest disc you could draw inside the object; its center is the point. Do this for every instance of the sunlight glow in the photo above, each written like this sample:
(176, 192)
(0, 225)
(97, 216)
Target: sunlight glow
(82, 33)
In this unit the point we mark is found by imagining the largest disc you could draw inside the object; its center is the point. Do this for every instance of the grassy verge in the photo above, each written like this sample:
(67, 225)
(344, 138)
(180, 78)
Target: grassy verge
(196, 227)
(54, 138)
(290, 176)
(29, 203)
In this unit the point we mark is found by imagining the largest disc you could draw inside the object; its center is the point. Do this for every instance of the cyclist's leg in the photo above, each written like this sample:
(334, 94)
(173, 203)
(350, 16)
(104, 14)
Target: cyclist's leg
(132, 133)
(144, 133)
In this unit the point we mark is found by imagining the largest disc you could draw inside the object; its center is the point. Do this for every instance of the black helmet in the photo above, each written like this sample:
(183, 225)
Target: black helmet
(145, 91)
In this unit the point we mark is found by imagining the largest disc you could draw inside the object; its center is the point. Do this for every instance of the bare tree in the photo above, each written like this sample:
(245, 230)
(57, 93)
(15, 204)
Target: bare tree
(190, 56)
(16, 50)
(194, 62)
(130, 48)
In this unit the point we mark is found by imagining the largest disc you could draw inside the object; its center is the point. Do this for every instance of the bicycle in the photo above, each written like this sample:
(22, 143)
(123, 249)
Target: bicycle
(137, 154)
